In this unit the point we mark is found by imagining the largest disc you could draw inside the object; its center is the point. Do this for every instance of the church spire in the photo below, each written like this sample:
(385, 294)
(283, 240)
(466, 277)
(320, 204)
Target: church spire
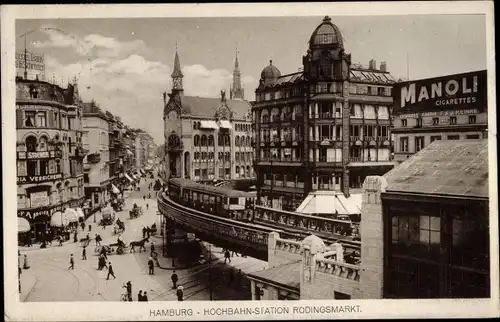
(236, 91)
(177, 73)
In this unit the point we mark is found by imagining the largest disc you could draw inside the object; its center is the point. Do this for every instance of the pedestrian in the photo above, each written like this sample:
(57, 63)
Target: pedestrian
(19, 272)
(143, 232)
(110, 271)
(149, 195)
(25, 264)
(60, 238)
(145, 297)
(75, 237)
(227, 256)
(180, 294)
(129, 291)
(90, 227)
(147, 206)
(151, 266)
(174, 278)
(71, 262)
(234, 253)
(148, 231)
(83, 226)
(104, 252)
(153, 248)
(84, 252)
(99, 262)
(97, 240)
(140, 296)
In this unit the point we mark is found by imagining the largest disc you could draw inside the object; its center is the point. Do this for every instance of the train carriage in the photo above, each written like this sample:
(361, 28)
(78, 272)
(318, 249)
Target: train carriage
(219, 201)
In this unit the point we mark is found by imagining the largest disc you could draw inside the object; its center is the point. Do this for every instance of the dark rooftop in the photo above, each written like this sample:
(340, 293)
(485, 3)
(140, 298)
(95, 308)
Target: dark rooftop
(287, 274)
(206, 106)
(458, 168)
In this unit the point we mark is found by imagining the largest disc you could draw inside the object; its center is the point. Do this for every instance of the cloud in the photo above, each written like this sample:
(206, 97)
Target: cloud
(91, 45)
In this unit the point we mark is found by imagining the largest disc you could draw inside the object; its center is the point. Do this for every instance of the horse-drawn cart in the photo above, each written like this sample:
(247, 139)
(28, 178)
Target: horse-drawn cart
(111, 249)
(135, 212)
(108, 217)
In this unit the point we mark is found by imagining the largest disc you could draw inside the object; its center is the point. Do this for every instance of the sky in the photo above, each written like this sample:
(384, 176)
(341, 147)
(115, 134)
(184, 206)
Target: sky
(124, 64)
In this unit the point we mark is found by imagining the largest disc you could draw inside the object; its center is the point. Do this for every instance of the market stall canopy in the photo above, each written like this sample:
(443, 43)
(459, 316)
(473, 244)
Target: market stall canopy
(23, 225)
(71, 214)
(209, 125)
(129, 178)
(59, 220)
(80, 213)
(115, 189)
(331, 203)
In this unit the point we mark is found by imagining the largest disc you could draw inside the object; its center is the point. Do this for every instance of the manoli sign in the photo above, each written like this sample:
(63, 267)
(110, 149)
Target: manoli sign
(461, 91)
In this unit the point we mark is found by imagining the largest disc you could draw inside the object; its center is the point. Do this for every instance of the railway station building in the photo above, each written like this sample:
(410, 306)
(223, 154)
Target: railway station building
(207, 139)
(325, 127)
(452, 107)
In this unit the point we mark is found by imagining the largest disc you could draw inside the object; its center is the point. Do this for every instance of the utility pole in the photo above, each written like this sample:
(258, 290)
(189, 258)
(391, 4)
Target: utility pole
(25, 57)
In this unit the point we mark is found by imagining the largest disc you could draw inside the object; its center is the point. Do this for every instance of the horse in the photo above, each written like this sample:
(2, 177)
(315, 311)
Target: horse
(140, 243)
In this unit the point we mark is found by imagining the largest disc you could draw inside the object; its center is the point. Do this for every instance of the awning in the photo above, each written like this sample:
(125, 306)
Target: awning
(71, 214)
(331, 203)
(23, 225)
(209, 125)
(58, 219)
(129, 178)
(80, 212)
(225, 124)
(115, 189)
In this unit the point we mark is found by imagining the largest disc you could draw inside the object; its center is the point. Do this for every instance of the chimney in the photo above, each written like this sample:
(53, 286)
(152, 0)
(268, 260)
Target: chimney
(383, 66)
(372, 65)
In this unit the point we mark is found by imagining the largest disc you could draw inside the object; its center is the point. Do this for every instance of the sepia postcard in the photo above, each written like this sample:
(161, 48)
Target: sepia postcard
(249, 161)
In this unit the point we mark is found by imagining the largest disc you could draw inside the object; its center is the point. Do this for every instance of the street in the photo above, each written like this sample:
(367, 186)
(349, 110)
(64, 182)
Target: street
(49, 278)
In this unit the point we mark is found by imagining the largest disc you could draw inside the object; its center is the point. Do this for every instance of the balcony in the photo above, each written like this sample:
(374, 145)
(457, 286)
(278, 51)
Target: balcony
(356, 159)
(94, 157)
(287, 117)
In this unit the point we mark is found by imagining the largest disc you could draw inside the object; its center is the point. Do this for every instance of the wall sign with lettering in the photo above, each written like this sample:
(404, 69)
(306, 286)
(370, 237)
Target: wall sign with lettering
(36, 179)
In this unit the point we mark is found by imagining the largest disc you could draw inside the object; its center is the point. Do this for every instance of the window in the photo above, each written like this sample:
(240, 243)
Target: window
(404, 122)
(325, 66)
(42, 119)
(44, 168)
(434, 138)
(326, 38)
(56, 119)
(472, 136)
(419, 143)
(419, 122)
(435, 121)
(29, 119)
(472, 119)
(453, 137)
(453, 120)
(31, 144)
(32, 168)
(322, 88)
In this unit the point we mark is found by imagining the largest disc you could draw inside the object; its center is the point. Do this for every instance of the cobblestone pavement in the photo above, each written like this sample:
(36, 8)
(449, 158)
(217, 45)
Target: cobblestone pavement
(49, 278)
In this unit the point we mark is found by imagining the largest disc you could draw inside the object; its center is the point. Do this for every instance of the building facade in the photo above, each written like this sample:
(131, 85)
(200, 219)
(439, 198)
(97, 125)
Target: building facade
(96, 139)
(436, 223)
(207, 139)
(145, 149)
(323, 128)
(50, 154)
(452, 107)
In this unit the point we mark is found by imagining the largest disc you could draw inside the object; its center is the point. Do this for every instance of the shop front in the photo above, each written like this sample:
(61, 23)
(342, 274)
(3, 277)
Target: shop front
(39, 219)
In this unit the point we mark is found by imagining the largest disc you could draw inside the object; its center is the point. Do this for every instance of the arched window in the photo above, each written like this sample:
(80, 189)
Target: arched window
(275, 114)
(42, 144)
(31, 144)
(210, 140)
(227, 140)
(203, 140)
(196, 140)
(197, 155)
(198, 125)
(325, 66)
(237, 141)
(249, 141)
(220, 140)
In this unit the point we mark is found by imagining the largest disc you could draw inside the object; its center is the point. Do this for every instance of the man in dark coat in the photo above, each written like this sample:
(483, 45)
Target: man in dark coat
(71, 262)
(145, 297)
(111, 272)
(180, 294)
(84, 253)
(140, 296)
(151, 266)
(174, 278)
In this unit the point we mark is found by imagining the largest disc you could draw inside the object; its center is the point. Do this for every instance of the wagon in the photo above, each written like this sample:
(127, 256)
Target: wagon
(135, 212)
(111, 249)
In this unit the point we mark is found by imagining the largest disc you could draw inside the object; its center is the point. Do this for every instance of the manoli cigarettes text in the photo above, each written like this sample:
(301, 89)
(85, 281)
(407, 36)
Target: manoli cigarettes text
(318, 309)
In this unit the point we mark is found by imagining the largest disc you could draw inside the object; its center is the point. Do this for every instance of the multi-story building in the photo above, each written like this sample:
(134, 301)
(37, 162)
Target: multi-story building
(144, 147)
(207, 139)
(97, 162)
(49, 152)
(452, 107)
(323, 128)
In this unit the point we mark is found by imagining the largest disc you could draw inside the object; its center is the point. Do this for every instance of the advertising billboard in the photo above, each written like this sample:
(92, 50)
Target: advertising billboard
(33, 63)
(467, 91)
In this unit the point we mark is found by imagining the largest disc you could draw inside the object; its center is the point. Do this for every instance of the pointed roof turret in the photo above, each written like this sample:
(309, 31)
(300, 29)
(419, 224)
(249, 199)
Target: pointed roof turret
(177, 66)
(236, 63)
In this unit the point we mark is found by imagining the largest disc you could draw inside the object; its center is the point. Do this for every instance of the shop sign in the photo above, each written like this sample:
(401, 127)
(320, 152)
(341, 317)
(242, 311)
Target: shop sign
(36, 179)
(31, 214)
(39, 199)
(39, 155)
(461, 91)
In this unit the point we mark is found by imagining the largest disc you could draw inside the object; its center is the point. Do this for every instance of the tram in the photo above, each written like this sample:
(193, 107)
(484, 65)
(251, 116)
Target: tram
(222, 202)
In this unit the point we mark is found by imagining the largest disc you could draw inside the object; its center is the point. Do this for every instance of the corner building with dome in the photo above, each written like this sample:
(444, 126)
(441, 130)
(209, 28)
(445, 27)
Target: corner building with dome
(207, 139)
(324, 128)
